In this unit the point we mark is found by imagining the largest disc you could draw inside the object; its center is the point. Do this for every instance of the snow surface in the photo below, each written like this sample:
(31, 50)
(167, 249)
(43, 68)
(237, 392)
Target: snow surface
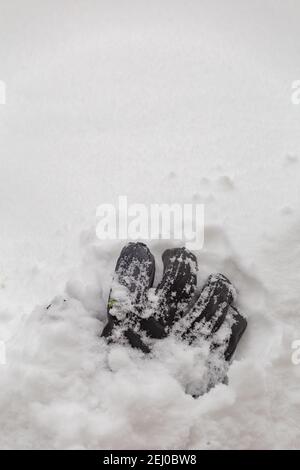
(162, 102)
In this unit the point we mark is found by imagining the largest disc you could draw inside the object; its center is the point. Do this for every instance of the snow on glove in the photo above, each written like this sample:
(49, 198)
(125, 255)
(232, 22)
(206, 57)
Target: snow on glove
(137, 315)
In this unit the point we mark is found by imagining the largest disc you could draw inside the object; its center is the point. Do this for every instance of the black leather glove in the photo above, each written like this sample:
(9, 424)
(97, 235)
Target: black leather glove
(138, 314)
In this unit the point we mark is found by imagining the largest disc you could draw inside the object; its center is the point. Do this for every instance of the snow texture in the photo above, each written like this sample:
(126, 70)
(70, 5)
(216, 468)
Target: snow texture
(163, 102)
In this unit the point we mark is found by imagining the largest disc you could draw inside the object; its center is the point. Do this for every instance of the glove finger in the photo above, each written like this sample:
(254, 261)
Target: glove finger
(135, 270)
(134, 275)
(237, 329)
(210, 309)
(111, 324)
(222, 347)
(177, 287)
(226, 339)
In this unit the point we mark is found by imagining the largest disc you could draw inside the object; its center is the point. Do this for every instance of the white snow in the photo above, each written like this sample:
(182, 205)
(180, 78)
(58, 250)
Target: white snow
(163, 102)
